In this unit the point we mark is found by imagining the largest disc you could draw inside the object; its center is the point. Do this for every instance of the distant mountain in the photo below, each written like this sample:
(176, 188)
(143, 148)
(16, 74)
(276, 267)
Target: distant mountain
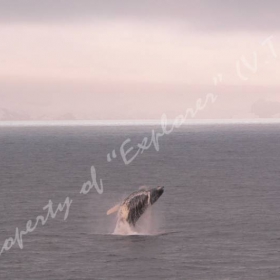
(8, 115)
(65, 117)
(266, 109)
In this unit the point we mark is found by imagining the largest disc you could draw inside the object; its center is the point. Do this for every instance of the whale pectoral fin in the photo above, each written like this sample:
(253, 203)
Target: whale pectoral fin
(113, 209)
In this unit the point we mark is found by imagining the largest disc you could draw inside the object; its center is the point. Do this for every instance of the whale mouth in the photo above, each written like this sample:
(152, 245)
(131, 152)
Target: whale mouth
(156, 193)
(160, 190)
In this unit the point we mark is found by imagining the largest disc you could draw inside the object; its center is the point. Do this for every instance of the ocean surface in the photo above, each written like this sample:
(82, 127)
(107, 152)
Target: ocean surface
(219, 217)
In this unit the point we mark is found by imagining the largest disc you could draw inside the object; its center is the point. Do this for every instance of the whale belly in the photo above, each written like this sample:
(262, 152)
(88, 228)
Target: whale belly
(136, 207)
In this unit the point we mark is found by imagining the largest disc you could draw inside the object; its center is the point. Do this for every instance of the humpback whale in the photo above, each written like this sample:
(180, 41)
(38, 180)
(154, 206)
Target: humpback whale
(134, 206)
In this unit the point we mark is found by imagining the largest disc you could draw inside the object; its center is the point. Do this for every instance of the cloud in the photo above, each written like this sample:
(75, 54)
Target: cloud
(204, 15)
(117, 59)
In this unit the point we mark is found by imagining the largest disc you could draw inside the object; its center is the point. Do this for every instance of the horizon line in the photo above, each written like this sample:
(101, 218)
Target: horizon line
(136, 122)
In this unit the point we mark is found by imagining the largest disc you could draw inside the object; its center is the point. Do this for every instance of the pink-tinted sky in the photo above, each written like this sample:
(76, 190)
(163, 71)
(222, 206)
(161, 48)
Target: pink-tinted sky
(138, 59)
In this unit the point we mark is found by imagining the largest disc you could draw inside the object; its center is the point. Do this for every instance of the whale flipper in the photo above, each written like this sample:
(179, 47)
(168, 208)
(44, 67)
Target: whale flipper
(113, 209)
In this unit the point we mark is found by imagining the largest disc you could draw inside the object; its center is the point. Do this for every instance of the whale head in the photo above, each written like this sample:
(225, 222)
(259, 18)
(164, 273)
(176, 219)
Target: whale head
(155, 194)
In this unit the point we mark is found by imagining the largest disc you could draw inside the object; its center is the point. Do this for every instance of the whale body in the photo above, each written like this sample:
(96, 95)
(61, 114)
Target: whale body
(134, 206)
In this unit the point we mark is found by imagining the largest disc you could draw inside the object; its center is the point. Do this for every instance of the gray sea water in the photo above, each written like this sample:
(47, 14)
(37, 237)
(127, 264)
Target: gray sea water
(219, 217)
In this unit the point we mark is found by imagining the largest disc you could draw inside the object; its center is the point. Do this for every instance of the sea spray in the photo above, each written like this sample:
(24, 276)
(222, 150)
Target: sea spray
(146, 225)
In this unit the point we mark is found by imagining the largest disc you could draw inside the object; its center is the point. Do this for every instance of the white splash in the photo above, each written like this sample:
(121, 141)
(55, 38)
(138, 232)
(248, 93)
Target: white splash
(146, 225)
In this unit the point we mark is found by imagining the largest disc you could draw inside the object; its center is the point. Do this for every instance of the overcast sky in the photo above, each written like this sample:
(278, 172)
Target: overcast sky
(139, 59)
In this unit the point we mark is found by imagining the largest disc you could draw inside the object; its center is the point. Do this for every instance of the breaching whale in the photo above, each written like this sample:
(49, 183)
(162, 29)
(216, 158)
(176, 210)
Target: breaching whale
(134, 206)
